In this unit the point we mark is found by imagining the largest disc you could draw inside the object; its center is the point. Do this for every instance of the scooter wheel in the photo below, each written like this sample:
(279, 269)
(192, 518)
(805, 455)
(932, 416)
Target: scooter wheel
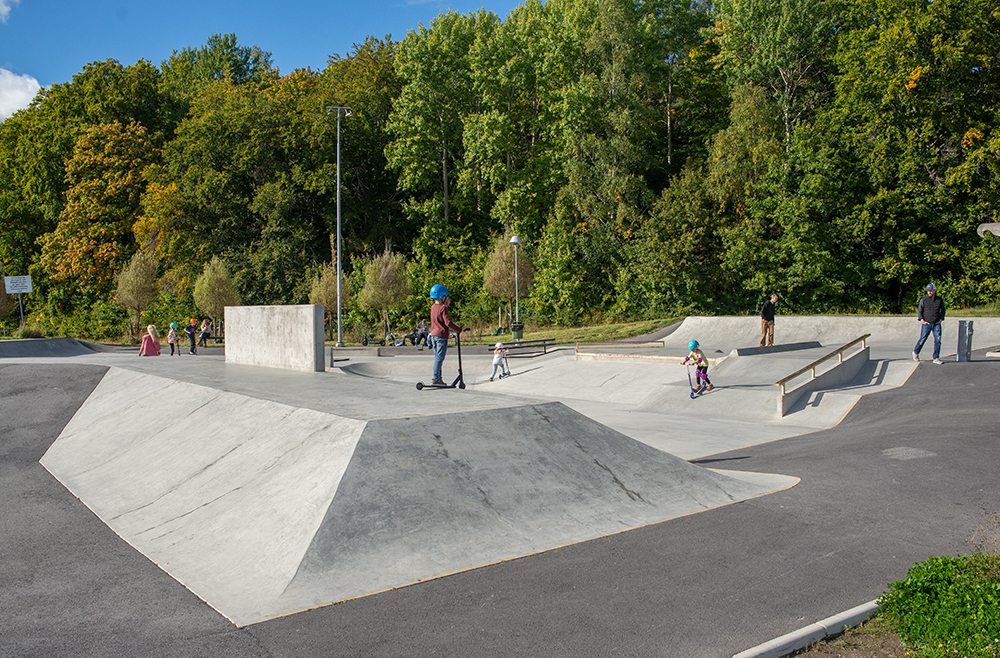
(364, 341)
(420, 386)
(462, 385)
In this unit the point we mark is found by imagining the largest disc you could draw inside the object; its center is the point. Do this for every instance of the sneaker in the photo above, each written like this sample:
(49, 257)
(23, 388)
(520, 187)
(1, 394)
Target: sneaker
(938, 361)
(916, 357)
(710, 387)
(491, 379)
(438, 382)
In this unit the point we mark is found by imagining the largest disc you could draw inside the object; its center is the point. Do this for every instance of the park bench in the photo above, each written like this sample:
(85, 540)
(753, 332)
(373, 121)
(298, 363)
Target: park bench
(537, 343)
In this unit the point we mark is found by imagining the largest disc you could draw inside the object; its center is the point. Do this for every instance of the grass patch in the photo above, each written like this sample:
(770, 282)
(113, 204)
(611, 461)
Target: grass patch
(950, 606)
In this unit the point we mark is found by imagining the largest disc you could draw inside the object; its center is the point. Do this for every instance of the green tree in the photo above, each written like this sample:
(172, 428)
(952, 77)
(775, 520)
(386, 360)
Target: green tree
(324, 291)
(366, 81)
(93, 239)
(917, 88)
(251, 164)
(214, 290)
(386, 285)
(427, 128)
(137, 289)
(186, 71)
(498, 277)
(782, 47)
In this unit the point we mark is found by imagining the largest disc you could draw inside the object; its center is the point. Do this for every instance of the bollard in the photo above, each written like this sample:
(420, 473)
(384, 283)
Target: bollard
(965, 340)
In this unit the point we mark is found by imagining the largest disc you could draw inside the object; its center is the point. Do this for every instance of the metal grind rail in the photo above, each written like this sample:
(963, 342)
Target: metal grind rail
(839, 353)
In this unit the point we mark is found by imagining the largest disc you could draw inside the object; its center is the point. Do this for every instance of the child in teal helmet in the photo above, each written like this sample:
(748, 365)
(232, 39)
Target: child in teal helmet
(441, 323)
(172, 338)
(698, 358)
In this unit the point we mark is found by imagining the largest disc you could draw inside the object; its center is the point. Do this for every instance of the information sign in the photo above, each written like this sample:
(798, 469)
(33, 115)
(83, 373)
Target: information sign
(17, 284)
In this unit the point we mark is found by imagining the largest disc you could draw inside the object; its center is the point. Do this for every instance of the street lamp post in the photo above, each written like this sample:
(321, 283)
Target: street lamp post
(517, 301)
(347, 113)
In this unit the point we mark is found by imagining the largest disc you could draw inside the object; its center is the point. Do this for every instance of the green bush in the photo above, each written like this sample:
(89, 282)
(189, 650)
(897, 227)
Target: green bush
(948, 606)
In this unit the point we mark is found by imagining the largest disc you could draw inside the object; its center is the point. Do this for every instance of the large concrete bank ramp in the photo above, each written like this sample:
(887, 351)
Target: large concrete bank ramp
(42, 347)
(744, 331)
(263, 508)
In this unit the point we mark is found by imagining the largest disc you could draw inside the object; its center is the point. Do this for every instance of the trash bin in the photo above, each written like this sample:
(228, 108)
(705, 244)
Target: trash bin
(517, 330)
(965, 340)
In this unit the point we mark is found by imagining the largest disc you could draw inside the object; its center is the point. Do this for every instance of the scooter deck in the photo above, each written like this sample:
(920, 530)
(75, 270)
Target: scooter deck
(421, 385)
(459, 381)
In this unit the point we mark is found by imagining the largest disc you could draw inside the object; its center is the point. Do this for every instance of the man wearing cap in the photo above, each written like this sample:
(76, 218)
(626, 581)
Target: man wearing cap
(930, 312)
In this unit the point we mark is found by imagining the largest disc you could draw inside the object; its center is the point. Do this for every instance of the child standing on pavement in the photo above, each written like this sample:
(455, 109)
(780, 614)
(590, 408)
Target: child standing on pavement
(441, 324)
(498, 354)
(698, 358)
(192, 332)
(172, 338)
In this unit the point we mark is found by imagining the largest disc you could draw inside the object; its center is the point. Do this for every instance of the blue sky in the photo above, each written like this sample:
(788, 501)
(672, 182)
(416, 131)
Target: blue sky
(43, 42)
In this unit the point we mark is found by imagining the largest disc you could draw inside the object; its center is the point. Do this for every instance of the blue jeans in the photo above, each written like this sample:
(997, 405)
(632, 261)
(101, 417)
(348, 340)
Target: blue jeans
(440, 346)
(925, 330)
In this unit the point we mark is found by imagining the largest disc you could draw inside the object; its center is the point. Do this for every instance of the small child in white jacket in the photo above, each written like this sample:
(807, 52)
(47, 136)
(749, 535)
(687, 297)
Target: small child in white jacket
(498, 354)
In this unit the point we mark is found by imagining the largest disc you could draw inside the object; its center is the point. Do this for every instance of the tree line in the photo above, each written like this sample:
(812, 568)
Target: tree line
(655, 157)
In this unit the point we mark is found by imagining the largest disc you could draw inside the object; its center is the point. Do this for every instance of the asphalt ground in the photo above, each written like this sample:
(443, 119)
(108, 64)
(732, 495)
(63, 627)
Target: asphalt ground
(906, 475)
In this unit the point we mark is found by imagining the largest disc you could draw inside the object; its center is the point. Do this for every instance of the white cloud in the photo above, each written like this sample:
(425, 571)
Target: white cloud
(16, 92)
(5, 7)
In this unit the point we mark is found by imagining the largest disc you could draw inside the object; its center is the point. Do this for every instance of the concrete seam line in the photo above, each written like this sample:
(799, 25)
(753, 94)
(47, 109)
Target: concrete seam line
(781, 646)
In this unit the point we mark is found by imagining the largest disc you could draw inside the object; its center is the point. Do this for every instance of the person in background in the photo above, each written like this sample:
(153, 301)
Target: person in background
(172, 338)
(930, 312)
(767, 321)
(150, 342)
(192, 331)
(206, 333)
(422, 332)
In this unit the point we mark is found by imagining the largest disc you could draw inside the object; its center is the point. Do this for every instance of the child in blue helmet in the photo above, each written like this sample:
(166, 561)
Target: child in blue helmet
(698, 358)
(440, 324)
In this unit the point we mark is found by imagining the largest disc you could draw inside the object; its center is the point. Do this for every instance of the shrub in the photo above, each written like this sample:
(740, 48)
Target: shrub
(949, 606)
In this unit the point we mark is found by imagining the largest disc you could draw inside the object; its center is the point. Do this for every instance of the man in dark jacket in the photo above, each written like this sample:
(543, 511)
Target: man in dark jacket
(930, 312)
(767, 322)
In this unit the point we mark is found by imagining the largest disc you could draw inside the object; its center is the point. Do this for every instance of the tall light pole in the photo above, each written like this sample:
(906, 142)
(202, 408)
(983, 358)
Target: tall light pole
(517, 300)
(347, 113)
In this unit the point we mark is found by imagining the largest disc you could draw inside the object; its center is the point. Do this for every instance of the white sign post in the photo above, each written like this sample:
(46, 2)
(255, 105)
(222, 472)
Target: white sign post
(18, 284)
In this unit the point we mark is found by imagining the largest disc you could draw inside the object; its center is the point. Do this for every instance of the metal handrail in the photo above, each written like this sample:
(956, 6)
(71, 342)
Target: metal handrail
(839, 352)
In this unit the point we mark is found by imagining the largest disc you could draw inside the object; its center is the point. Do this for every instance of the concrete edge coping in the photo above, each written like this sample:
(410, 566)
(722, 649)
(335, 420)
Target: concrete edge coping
(802, 638)
(774, 349)
(598, 356)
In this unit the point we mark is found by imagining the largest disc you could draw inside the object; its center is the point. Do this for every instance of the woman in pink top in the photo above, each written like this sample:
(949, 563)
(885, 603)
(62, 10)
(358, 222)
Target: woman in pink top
(150, 342)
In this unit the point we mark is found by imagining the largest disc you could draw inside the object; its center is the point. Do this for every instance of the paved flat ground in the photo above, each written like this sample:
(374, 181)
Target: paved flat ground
(903, 476)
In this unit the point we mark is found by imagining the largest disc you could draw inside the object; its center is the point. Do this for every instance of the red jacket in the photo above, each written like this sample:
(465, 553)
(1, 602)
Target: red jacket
(441, 321)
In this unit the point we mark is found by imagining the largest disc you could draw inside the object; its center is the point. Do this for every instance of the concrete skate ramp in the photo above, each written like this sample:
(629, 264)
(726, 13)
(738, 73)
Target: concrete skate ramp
(262, 508)
(42, 347)
(726, 332)
(554, 377)
(744, 387)
(429, 496)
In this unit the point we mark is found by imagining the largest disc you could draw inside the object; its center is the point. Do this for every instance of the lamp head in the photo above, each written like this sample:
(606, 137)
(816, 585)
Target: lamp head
(515, 240)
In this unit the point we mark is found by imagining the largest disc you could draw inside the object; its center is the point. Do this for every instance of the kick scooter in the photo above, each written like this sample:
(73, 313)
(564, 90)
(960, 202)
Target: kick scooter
(459, 381)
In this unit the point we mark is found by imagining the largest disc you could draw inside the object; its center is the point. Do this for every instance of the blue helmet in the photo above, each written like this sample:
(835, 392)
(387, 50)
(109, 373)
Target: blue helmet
(438, 291)
(693, 344)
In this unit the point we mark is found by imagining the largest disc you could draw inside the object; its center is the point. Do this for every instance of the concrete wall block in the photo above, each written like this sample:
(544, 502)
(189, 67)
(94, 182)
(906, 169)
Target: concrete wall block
(276, 336)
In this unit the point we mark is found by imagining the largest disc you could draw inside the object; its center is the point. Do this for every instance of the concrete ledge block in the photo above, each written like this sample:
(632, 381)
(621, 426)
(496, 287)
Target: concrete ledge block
(288, 337)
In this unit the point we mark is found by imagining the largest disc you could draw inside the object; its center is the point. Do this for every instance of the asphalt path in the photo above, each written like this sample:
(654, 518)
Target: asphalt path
(906, 475)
